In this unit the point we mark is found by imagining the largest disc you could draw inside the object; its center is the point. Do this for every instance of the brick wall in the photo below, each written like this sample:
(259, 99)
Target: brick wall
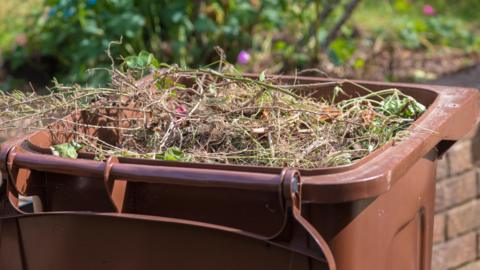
(457, 219)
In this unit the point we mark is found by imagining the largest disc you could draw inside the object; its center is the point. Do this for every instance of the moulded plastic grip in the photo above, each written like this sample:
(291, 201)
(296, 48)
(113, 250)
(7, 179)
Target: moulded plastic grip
(146, 173)
(116, 175)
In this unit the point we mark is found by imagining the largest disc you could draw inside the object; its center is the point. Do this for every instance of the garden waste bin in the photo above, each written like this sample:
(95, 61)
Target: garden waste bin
(374, 214)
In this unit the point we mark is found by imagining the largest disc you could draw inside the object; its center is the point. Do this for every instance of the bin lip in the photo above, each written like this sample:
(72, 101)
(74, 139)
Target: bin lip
(450, 116)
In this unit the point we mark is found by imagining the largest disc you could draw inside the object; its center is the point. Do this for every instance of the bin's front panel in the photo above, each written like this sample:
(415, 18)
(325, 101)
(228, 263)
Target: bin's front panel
(59, 242)
(392, 231)
(253, 211)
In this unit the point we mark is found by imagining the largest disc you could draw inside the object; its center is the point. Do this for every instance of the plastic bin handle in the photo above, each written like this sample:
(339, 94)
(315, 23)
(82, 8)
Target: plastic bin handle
(143, 173)
(116, 175)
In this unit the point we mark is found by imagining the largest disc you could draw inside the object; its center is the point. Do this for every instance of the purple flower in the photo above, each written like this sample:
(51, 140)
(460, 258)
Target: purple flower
(428, 10)
(243, 57)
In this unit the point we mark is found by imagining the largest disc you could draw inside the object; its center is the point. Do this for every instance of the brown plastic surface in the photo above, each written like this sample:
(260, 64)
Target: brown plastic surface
(374, 214)
(79, 240)
(87, 241)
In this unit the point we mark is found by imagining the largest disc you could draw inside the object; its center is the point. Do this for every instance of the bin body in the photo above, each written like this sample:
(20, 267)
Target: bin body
(376, 214)
(96, 242)
(392, 231)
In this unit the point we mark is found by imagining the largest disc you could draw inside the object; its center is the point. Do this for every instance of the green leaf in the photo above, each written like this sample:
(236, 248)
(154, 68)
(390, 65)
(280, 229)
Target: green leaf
(402, 106)
(340, 51)
(359, 63)
(402, 5)
(142, 61)
(172, 154)
(66, 150)
(90, 26)
(131, 61)
(204, 24)
(262, 76)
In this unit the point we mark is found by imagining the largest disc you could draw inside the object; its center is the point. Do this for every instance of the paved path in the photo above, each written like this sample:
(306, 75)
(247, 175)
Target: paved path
(469, 77)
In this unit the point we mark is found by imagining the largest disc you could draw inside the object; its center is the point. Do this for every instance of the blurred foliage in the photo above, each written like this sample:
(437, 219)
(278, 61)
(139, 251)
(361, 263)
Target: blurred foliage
(465, 9)
(405, 22)
(13, 15)
(439, 30)
(74, 34)
(77, 32)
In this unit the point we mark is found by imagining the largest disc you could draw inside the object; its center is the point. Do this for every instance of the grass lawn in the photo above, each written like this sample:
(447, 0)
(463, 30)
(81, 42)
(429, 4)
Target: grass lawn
(374, 14)
(13, 18)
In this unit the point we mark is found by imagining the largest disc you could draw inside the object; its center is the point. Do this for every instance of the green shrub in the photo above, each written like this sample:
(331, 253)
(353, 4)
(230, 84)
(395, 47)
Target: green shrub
(286, 34)
(77, 32)
(441, 24)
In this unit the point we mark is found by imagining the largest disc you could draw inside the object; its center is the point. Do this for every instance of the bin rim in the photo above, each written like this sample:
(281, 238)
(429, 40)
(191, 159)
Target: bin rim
(451, 114)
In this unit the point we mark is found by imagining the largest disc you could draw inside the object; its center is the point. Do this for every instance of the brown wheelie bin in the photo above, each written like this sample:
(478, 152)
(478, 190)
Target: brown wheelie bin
(375, 214)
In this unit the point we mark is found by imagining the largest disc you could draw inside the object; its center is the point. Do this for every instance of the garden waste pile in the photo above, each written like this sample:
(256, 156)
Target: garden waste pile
(214, 116)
